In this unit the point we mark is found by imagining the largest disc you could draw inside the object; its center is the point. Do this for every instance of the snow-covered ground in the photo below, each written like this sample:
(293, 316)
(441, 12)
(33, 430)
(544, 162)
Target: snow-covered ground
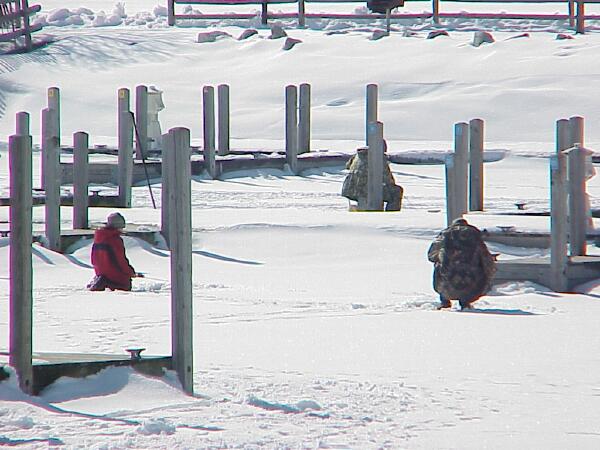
(315, 327)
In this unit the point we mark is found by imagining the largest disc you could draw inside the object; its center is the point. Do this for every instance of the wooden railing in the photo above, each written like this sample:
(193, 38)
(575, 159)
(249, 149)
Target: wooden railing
(15, 23)
(575, 14)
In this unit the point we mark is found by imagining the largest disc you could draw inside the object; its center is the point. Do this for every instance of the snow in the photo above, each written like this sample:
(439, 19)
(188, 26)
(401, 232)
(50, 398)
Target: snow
(314, 327)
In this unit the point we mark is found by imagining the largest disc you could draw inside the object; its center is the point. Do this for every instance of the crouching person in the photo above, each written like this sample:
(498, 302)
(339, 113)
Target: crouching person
(355, 185)
(463, 266)
(112, 267)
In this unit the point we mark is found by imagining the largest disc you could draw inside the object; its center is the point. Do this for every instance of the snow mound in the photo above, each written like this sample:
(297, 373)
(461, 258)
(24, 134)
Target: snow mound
(299, 407)
(156, 426)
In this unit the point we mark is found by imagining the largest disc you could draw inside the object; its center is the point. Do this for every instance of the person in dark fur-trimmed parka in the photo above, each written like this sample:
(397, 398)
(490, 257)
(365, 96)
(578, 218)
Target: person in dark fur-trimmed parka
(463, 266)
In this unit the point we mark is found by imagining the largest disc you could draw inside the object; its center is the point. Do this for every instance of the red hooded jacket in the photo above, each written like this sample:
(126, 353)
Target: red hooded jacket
(108, 256)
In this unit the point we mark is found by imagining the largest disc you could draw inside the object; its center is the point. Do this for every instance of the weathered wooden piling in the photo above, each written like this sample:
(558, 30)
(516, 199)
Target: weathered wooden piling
(558, 209)
(451, 207)
(223, 115)
(371, 109)
(476, 165)
(461, 166)
(577, 188)
(208, 107)
(53, 104)
(578, 215)
(304, 103)
(141, 121)
(22, 124)
(125, 144)
(52, 178)
(20, 266)
(291, 127)
(181, 258)
(375, 173)
(168, 146)
(80, 180)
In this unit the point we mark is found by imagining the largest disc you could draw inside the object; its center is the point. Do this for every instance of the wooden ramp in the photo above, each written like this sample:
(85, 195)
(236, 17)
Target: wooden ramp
(580, 269)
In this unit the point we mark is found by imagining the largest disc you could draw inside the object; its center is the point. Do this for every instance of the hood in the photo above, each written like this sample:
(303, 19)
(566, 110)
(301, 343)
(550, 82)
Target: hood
(106, 234)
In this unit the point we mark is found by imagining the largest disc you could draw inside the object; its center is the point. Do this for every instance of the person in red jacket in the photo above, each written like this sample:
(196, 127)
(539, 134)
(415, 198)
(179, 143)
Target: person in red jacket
(112, 267)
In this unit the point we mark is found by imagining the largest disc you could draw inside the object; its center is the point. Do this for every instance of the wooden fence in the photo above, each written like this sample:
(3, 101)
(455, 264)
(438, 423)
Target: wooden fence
(575, 13)
(15, 23)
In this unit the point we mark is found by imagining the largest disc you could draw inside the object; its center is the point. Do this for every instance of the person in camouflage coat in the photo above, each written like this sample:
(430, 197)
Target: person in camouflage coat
(355, 185)
(463, 266)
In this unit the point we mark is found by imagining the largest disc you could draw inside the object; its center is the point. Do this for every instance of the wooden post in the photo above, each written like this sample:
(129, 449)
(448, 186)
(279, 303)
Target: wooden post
(291, 127)
(171, 12)
(182, 332)
(375, 173)
(435, 11)
(451, 210)
(80, 180)
(461, 164)
(476, 165)
(577, 188)
(571, 13)
(52, 178)
(168, 146)
(20, 267)
(125, 129)
(558, 208)
(580, 27)
(54, 104)
(26, 25)
(304, 118)
(577, 203)
(264, 13)
(141, 121)
(208, 107)
(576, 125)
(223, 135)
(371, 109)
(22, 124)
(301, 14)
(388, 20)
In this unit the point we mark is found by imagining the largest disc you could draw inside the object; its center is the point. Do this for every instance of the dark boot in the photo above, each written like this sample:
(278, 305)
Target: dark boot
(444, 303)
(98, 283)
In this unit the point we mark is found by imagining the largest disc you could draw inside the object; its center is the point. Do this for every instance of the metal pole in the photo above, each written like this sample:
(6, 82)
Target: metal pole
(20, 267)
(476, 165)
(182, 332)
(223, 130)
(291, 127)
(52, 178)
(304, 118)
(80, 180)
(125, 129)
(375, 172)
(371, 109)
(137, 136)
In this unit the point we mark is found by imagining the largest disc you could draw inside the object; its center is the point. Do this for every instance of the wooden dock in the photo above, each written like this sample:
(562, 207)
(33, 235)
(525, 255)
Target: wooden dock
(49, 367)
(70, 237)
(580, 269)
